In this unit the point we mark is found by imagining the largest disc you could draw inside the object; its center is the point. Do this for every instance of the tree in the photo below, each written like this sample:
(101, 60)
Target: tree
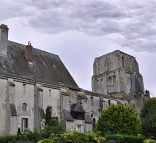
(148, 118)
(52, 124)
(48, 116)
(119, 119)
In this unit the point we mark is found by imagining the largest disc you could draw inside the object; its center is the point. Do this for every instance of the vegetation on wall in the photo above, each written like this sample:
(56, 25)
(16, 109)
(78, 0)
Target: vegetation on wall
(48, 116)
(119, 119)
(148, 117)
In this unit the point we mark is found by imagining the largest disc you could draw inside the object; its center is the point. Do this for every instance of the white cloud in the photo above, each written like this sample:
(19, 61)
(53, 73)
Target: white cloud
(134, 20)
(80, 30)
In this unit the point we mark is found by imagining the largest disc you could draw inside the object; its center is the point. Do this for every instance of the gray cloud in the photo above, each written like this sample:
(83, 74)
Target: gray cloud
(134, 21)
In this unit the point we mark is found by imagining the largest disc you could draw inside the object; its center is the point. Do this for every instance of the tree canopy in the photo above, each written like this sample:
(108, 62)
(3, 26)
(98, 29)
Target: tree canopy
(119, 119)
(148, 117)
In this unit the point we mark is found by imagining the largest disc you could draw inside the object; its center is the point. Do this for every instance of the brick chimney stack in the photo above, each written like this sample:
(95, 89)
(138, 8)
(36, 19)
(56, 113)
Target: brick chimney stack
(28, 52)
(3, 39)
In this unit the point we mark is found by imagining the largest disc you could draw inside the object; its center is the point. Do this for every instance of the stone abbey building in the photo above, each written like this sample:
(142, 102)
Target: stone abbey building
(32, 79)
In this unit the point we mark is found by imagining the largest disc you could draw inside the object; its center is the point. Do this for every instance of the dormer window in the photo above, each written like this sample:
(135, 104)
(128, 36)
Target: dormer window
(24, 107)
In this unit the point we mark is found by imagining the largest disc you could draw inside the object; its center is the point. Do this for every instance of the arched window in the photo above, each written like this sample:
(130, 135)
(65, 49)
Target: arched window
(24, 107)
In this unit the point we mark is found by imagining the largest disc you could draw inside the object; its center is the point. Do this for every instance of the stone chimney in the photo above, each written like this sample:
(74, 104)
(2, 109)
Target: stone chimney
(28, 52)
(3, 39)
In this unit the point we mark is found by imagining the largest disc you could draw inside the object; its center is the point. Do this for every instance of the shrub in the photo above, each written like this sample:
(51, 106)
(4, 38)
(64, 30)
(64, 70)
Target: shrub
(148, 117)
(119, 119)
(44, 141)
(119, 138)
(18, 138)
(52, 124)
(48, 117)
(48, 130)
(149, 141)
(74, 137)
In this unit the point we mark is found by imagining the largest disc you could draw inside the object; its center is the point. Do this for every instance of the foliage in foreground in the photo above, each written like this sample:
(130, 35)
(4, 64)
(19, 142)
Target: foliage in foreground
(74, 137)
(149, 141)
(148, 117)
(119, 119)
(120, 138)
(48, 130)
(52, 124)
(33, 137)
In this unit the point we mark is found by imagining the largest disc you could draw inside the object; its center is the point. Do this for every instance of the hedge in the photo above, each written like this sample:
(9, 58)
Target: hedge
(74, 137)
(124, 138)
(29, 138)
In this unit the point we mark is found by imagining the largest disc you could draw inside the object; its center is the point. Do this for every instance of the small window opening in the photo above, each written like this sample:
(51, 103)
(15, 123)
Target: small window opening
(123, 61)
(79, 128)
(109, 103)
(49, 92)
(24, 107)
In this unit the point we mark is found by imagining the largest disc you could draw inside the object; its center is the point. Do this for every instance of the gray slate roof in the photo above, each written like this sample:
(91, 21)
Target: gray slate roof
(68, 117)
(46, 67)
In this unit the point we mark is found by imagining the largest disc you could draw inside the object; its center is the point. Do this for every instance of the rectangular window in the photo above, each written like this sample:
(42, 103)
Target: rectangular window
(79, 128)
(24, 124)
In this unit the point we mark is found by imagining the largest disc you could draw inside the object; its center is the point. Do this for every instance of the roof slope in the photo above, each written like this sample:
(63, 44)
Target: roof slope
(46, 67)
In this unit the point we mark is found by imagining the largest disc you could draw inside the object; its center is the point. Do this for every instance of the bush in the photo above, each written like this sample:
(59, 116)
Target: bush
(48, 130)
(48, 117)
(5, 139)
(148, 117)
(21, 138)
(74, 137)
(119, 119)
(119, 138)
(149, 141)
(44, 141)
(52, 124)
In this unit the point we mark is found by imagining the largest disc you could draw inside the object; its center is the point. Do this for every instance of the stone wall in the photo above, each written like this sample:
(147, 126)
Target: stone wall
(112, 74)
(38, 96)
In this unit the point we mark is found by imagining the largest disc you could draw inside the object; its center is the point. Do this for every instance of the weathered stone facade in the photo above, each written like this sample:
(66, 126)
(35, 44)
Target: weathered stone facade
(31, 80)
(117, 74)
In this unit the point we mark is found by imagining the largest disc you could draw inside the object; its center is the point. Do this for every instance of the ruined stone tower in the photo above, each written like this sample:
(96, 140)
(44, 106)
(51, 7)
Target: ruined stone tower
(117, 74)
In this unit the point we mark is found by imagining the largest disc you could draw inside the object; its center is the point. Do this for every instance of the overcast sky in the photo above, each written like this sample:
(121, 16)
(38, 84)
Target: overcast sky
(80, 30)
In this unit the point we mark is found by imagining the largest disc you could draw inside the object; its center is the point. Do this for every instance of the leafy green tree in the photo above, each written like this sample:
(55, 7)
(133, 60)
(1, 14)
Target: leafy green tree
(121, 119)
(52, 124)
(148, 117)
(48, 116)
